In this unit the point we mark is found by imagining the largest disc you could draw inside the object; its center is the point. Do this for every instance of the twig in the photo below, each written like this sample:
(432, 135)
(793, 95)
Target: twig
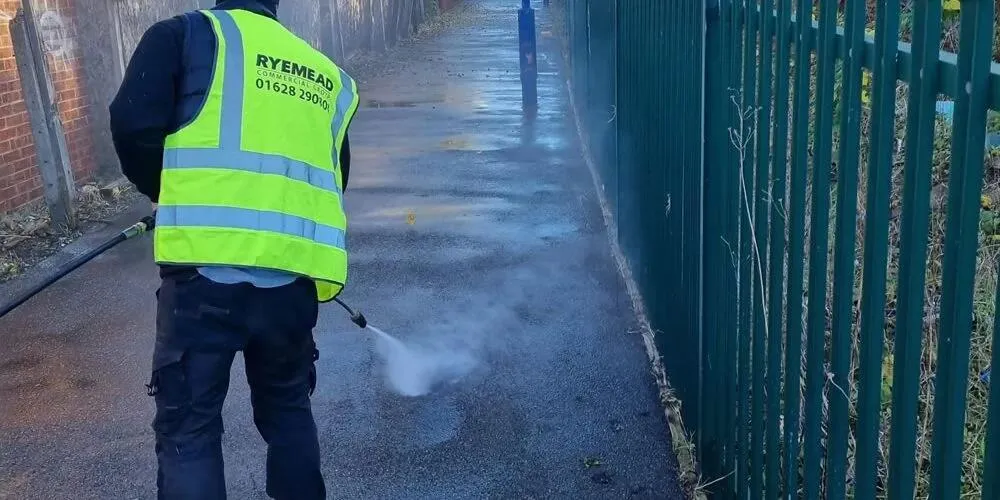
(732, 253)
(723, 478)
(14, 239)
(741, 141)
(829, 378)
(96, 219)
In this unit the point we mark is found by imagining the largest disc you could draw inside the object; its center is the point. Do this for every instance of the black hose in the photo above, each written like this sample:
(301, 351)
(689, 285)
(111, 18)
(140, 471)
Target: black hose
(144, 225)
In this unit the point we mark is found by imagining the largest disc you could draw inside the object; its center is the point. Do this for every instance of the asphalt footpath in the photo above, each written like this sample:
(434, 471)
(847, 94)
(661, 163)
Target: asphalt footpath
(475, 233)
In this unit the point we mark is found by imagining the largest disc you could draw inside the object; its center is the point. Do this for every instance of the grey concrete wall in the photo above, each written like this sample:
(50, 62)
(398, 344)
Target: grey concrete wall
(138, 15)
(100, 73)
(374, 25)
(340, 28)
(109, 34)
(304, 19)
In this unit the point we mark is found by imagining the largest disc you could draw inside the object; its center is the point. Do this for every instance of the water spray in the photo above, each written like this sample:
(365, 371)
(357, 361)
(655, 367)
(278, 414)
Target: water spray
(411, 370)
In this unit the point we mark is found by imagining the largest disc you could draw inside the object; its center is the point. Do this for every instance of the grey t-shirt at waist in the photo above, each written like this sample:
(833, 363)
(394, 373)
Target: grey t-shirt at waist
(260, 278)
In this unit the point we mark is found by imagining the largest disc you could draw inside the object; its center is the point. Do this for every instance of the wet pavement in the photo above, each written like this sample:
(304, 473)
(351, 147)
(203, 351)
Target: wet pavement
(472, 227)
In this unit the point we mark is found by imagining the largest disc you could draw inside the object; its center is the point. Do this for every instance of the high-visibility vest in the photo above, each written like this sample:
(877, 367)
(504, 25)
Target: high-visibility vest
(254, 179)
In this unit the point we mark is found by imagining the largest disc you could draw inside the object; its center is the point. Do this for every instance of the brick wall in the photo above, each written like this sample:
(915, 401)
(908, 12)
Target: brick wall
(85, 81)
(20, 182)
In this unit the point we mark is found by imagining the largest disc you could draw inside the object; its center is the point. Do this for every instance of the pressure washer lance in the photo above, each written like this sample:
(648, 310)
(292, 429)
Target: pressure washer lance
(356, 317)
(144, 225)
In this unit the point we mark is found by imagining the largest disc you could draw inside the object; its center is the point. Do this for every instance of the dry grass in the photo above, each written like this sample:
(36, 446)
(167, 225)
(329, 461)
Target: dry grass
(985, 288)
(988, 259)
(27, 237)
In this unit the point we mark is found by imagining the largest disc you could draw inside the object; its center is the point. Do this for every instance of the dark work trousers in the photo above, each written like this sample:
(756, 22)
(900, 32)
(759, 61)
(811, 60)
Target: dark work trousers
(200, 327)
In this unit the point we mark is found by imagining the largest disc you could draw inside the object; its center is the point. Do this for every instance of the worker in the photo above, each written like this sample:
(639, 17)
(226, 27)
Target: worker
(236, 129)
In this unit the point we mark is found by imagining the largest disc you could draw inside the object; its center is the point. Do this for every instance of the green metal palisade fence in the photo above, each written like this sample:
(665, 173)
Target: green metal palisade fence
(809, 263)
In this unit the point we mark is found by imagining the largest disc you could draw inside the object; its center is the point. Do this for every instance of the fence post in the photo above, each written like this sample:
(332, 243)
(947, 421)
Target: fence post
(715, 411)
(46, 127)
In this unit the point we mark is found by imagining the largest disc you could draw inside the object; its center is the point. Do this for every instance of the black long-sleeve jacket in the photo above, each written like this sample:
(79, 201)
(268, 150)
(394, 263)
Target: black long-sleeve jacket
(155, 100)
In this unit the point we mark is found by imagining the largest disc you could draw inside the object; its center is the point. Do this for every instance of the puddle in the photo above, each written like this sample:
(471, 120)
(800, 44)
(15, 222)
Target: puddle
(460, 143)
(375, 103)
(476, 143)
(554, 230)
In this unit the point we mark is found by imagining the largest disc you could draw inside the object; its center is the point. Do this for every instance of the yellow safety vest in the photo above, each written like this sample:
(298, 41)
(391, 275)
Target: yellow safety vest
(254, 180)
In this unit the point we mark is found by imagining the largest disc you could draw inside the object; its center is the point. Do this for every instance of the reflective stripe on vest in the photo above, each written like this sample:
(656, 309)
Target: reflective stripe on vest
(243, 218)
(251, 162)
(189, 206)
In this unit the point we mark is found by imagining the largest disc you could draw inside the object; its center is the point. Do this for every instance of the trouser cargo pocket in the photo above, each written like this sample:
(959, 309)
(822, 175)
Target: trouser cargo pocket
(312, 368)
(170, 387)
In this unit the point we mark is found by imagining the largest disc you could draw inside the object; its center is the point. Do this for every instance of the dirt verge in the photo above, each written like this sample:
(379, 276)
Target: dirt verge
(27, 236)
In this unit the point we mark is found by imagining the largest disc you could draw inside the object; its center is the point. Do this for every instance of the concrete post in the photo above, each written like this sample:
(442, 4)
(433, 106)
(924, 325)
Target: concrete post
(46, 127)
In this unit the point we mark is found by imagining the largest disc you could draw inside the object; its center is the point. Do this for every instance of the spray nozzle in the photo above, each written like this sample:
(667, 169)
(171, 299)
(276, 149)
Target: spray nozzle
(359, 319)
(356, 317)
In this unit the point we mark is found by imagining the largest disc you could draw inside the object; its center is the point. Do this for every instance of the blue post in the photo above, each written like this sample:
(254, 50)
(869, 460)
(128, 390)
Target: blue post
(529, 62)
